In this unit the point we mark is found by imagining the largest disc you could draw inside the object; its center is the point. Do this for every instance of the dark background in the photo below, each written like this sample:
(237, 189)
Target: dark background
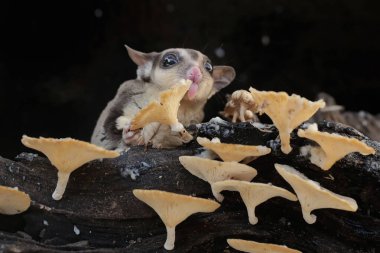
(60, 61)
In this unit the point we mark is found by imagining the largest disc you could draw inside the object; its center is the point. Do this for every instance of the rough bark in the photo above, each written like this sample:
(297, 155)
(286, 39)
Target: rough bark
(99, 213)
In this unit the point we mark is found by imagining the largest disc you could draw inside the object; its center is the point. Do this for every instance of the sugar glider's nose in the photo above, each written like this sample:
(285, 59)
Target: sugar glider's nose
(194, 74)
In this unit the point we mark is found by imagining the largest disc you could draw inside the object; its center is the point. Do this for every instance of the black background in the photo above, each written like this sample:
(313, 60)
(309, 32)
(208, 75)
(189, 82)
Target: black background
(61, 61)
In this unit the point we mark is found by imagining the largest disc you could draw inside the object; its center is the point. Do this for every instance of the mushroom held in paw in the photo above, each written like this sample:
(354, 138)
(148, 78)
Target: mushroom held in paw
(165, 111)
(313, 196)
(253, 194)
(66, 155)
(174, 208)
(214, 171)
(333, 147)
(233, 152)
(286, 112)
(13, 201)
(256, 247)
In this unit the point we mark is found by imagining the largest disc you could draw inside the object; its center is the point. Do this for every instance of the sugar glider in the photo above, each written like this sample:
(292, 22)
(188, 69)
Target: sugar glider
(156, 72)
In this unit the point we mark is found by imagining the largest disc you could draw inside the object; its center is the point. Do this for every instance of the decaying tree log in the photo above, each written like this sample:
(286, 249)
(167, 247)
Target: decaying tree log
(98, 212)
(363, 121)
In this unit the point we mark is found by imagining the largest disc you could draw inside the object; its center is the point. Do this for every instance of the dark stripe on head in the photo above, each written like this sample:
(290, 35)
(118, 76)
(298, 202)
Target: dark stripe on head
(193, 54)
(156, 61)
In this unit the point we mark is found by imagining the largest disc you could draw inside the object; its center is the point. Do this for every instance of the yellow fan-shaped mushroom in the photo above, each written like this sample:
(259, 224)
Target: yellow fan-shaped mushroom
(174, 208)
(256, 247)
(13, 201)
(66, 155)
(165, 111)
(253, 194)
(214, 171)
(313, 196)
(232, 152)
(286, 112)
(333, 147)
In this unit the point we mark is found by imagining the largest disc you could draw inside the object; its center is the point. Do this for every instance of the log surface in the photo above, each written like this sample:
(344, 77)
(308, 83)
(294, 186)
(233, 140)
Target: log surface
(98, 212)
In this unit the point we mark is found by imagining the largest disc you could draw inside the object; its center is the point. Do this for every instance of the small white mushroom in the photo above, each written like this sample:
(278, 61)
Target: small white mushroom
(312, 195)
(256, 247)
(253, 194)
(286, 112)
(333, 147)
(13, 201)
(164, 111)
(66, 155)
(174, 208)
(214, 171)
(240, 106)
(233, 152)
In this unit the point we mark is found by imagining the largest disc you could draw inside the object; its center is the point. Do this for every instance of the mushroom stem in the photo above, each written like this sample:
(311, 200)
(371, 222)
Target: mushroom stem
(219, 197)
(251, 214)
(170, 239)
(63, 178)
(309, 218)
(242, 113)
(285, 142)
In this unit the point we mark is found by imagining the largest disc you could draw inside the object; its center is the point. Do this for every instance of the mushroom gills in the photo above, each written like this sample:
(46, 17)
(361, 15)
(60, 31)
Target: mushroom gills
(312, 195)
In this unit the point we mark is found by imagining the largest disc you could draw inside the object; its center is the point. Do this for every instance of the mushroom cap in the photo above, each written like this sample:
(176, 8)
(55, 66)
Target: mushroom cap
(257, 192)
(13, 201)
(243, 96)
(312, 195)
(253, 194)
(174, 208)
(214, 171)
(333, 147)
(165, 111)
(67, 154)
(256, 247)
(233, 152)
(286, 112)
(240, 106)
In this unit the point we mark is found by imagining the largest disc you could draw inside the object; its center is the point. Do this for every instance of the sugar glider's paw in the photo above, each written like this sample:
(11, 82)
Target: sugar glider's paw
(240, 107)
(132, 138)
(164, 137)
(129, 137)
(184, 135)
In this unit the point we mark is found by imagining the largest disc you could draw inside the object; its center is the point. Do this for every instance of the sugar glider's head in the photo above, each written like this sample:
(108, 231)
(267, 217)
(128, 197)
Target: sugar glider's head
(166, 68)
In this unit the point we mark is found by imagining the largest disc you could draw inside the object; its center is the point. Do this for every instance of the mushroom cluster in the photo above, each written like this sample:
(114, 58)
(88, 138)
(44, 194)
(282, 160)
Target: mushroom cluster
(240, 106)
(233, 176)
(230, 174)
(234, 179)
(286, 112)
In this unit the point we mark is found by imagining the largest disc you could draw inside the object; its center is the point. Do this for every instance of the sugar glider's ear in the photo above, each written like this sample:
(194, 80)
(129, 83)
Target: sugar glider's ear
(223, 76)
(138, 57)
(144, 62)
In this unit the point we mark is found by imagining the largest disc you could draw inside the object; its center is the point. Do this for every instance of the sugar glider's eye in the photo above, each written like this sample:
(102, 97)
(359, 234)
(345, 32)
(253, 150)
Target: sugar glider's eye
(208, 66)
(169, 60)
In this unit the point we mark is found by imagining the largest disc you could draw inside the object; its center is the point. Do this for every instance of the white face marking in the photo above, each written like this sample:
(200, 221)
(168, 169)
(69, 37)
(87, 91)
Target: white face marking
(144, 70)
